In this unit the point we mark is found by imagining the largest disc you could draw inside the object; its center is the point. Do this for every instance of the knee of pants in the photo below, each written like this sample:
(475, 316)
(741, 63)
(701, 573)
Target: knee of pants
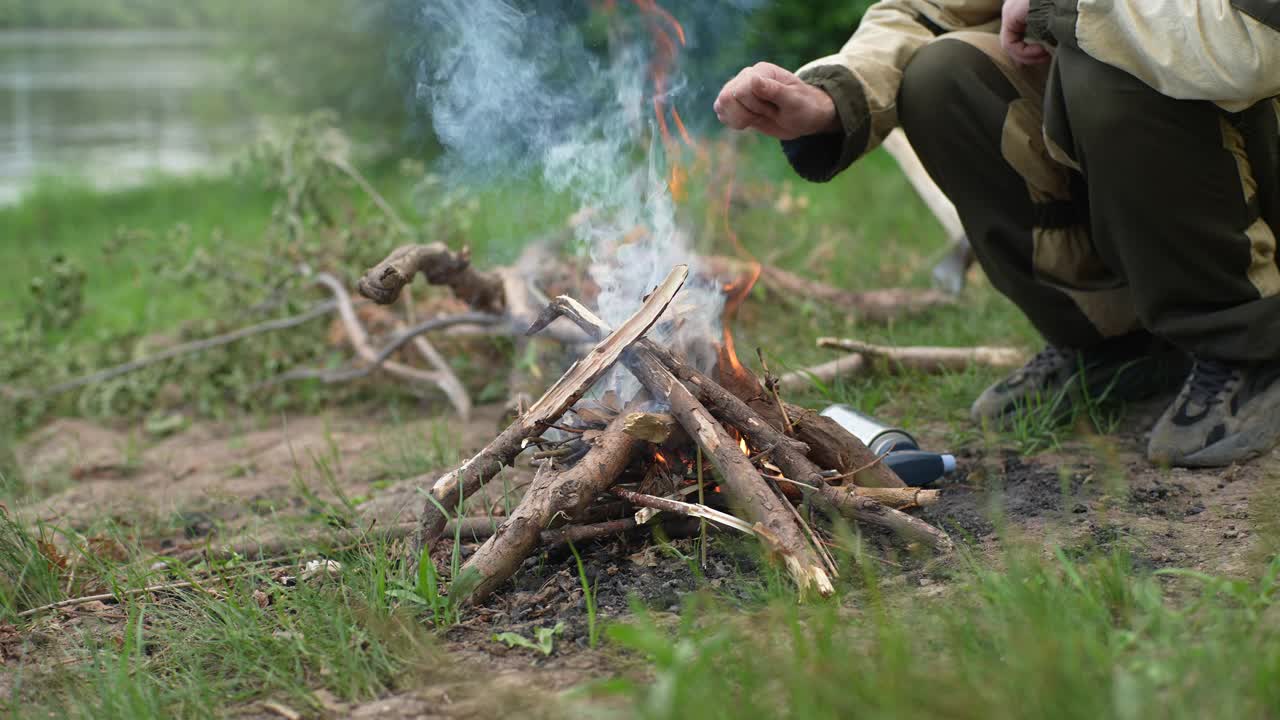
(1103, 102)
(937, 87)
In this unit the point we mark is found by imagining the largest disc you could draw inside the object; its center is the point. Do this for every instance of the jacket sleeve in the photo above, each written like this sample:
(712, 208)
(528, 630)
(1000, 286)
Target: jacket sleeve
(864, 77)
(1223, 51)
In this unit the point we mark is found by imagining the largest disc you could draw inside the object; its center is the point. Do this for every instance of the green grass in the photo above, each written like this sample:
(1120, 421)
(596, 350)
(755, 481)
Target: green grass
(1024, 634)
(1032, 637)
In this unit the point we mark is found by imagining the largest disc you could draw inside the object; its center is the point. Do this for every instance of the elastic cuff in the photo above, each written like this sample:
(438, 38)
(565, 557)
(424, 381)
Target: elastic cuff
(819, 158)
(1038, 19)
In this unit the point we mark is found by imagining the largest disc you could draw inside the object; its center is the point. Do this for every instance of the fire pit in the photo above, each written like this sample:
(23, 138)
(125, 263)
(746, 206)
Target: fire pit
(721, 446)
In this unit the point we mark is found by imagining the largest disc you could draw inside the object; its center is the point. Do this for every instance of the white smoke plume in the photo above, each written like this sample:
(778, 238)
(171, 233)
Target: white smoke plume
(513, 91)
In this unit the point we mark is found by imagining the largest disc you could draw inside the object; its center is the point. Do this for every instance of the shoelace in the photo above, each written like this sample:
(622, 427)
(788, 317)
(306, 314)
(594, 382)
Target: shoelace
(1209, 381)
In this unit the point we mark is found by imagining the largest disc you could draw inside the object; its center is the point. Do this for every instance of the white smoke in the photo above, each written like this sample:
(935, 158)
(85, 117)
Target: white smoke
(511, 92)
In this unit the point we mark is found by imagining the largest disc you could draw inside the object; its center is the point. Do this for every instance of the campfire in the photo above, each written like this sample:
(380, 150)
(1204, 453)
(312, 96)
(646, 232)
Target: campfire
(720, 446)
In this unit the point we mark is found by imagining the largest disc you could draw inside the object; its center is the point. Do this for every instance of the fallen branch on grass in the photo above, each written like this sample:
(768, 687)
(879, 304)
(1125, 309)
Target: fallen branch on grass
(931, 359)
(315, 311)
(878, 306)
(442, 377)
(842, 368)
(401, 338)
(468, 529)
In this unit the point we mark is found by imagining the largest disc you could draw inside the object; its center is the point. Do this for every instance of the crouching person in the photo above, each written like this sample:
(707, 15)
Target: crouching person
(1117, 170)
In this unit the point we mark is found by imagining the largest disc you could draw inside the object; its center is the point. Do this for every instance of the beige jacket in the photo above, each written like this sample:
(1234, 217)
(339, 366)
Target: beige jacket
(1224, 51)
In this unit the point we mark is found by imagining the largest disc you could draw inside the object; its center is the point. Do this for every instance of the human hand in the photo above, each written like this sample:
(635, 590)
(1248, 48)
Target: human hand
(1013, 31)
(774, 101)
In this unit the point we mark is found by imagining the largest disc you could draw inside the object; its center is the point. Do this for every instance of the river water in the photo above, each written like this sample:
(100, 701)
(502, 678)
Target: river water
(113, 108)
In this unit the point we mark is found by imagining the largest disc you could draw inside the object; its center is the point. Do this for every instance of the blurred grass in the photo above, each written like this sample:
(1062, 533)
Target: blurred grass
(1031, 637)
(865, 230)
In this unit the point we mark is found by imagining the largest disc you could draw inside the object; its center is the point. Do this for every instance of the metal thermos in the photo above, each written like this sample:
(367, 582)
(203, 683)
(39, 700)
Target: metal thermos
(901, 452)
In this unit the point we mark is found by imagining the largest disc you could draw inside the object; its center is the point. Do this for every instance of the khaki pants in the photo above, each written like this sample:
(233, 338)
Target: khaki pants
(1098, 205)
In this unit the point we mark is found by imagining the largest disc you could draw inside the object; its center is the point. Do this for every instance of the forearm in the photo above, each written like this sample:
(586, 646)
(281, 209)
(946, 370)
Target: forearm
(863, 79)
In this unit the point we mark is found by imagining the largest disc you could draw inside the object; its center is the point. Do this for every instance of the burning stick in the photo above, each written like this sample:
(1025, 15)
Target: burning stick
(454, 487)
(746, 488)
(788, 453)
(932, 359)
(552, 493)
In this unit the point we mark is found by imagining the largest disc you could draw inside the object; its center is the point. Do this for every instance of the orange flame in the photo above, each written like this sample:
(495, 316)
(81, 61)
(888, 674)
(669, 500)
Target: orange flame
(666, 52)
(736, 293)
(742, 445)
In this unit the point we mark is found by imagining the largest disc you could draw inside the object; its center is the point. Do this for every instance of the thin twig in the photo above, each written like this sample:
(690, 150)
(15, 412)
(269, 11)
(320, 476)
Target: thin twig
(846, 476)
(125, 593)
(286, 323)
(373, 194)
(683, 508)
(771, 382)
(702, 522)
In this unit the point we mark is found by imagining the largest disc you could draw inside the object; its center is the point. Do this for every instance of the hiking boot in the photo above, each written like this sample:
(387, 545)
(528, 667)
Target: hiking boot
(1225, 414)
(1056, 380)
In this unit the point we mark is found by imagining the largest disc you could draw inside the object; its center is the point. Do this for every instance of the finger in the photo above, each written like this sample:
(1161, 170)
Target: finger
(733, 114)
(754, 101)
(776, 73)
(1027, 53)
(769, 90)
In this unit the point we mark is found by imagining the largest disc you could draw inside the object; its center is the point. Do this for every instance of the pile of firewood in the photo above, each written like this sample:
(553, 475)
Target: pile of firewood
(721, 446)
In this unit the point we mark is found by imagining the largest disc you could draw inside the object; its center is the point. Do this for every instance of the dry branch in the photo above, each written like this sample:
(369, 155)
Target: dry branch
(787, 453)
(746, 489)
(315, 311)
(897, 498)
(440, 266)
(468, 529)
(552, 494)
(454, 487)
(678, 507)
(871, 305)
(359, 339)
(867, 510)
(931, 359)
(503, 291)
(828, 372)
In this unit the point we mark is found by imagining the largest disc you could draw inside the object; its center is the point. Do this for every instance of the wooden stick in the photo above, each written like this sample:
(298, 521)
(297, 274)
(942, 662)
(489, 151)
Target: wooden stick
(741, 480)
(313, 312)
(454, 487)
(931, 359)
(694, 510)
(787, 453)
(552, 493)
(441, 266)
(468, 529)
(359, 339)
(870, 305)
(841, 368)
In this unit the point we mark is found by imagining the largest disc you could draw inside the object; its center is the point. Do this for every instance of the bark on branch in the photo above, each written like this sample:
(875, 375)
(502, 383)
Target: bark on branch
(453, 488)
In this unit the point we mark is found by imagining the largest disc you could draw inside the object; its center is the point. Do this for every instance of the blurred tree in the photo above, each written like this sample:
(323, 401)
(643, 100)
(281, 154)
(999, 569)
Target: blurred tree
(792, 32)
(354, 57)
(104, 14)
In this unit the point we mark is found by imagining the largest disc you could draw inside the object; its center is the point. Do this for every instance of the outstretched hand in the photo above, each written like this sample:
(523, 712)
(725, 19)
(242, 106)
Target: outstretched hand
(775, 102)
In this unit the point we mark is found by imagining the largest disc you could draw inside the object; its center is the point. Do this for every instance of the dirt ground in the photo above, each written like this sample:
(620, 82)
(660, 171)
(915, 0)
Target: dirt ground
(1092, 493)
